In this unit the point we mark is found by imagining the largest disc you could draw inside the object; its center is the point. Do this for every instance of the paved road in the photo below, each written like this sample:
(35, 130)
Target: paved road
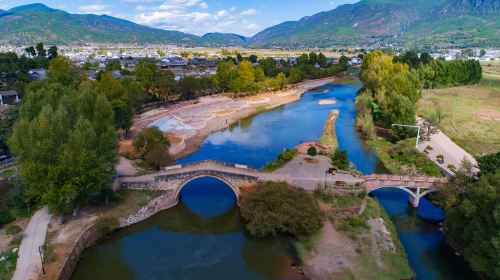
(453, 154)
(29, 264)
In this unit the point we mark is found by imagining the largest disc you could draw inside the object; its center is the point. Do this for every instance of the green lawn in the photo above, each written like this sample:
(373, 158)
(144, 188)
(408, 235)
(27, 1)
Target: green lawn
(463, 112)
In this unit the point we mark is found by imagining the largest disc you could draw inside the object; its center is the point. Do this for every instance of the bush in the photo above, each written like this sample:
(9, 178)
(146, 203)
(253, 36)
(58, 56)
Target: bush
(274, 208)
(13, 230)
(340, 160)
(312, 151)
(282, 159)
(105, 225)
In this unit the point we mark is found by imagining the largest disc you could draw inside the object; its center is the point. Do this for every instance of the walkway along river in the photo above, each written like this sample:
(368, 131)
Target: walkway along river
(203, 237)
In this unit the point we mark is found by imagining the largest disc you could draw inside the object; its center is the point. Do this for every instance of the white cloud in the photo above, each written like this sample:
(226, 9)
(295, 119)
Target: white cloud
(101, 9)
(192, 16)
(249, 12)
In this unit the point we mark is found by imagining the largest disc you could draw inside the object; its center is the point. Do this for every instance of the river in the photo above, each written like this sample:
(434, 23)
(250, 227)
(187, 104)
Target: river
(204, 238)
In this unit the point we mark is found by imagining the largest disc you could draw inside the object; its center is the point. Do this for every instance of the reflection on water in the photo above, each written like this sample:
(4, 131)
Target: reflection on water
(201, 238)
(428, 253)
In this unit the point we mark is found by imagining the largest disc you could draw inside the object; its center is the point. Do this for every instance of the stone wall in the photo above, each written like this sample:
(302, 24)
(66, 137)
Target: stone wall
(163, 202)
(88, 237)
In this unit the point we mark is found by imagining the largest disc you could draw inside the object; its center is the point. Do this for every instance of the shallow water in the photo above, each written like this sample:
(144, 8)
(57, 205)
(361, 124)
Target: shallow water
(204, 238)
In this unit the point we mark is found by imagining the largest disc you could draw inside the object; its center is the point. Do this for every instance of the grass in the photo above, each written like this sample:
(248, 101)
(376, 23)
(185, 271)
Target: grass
(338, 201)
(305, 245)
(460, 108)
(8, 266)
(395, 264)
(280, 161)
(329, 138)
(402, 158)
(130, 201)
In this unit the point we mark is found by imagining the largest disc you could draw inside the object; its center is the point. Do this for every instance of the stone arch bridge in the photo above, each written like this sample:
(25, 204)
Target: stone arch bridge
(236, 176)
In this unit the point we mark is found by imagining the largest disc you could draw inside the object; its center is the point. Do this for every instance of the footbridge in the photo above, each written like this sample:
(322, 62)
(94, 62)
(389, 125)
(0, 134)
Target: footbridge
(237, 177)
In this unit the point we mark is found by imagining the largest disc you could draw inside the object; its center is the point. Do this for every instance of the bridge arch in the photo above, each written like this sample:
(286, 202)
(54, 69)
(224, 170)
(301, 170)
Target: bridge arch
(235, 189)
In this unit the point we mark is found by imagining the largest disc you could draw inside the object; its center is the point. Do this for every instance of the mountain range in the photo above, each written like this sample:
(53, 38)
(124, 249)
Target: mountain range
(408, 22)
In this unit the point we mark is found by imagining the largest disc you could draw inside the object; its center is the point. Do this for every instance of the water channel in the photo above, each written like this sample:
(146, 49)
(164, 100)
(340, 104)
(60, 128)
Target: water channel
(204, 238)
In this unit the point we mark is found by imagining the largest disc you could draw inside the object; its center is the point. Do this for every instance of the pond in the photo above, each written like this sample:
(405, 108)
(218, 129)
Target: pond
(203, 237)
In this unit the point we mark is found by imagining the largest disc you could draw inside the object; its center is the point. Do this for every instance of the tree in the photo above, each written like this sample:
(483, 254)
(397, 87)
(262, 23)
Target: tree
(253, 58)
(312, 151)
(322, 61)
(246, 72)
(40, 50)
(116, 94)
(225, 74)
(52, 52)
(273, 208)
(340, 160)
(65, 145)
(7, 120)
(146, 72)
(31, 51)
(268, 65)
(303, 59)
(152, 146)
(113, 65)
(344, 62)
(61, 70)
(482, 53)
(296, 75)
(259, 74)
(239, 57)
(489, 164)
(473, 227)
(313, 58)
(165, 84)
(282, 80)
(425, 58)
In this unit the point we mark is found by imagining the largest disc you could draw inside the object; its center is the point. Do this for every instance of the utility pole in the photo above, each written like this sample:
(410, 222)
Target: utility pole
(413, 126)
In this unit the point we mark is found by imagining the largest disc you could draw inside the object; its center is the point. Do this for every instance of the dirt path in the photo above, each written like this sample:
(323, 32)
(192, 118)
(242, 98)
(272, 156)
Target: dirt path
(335, 254)
(29, 264)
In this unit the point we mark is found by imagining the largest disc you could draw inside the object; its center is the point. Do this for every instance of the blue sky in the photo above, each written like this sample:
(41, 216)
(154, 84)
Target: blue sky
(243, 17)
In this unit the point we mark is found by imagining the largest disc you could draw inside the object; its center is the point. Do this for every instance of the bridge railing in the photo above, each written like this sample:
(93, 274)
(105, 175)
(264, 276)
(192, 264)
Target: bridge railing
(221, 163)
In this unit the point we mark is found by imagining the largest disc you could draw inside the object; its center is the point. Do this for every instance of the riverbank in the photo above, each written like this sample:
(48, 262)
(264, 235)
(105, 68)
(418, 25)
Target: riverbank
(188, 124)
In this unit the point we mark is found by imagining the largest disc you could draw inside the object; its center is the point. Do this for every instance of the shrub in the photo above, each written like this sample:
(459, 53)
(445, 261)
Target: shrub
(105, 225)
(13, 230)
(273, 208)
(340, 160)
(312, 151)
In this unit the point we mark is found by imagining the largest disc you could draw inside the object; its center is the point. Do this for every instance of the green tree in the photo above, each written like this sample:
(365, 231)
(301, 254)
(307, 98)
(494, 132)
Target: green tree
(282, 80)
(53, 52)
(113, 65)
(65, 145)
(273, 208)
(40, 50)
(296, 75)
(146, 72)
(117, 96)
(268, 64)
(7, 120)
(340, 159)
(153, 147)
(253, 58)
(259, 74)
(61, 70)
(246, 72)
(165, 84)
(473, 226)
(31, 51)
(425, 58)
(489, 164)
(225, 74)
(303, 59)
(312, 151)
